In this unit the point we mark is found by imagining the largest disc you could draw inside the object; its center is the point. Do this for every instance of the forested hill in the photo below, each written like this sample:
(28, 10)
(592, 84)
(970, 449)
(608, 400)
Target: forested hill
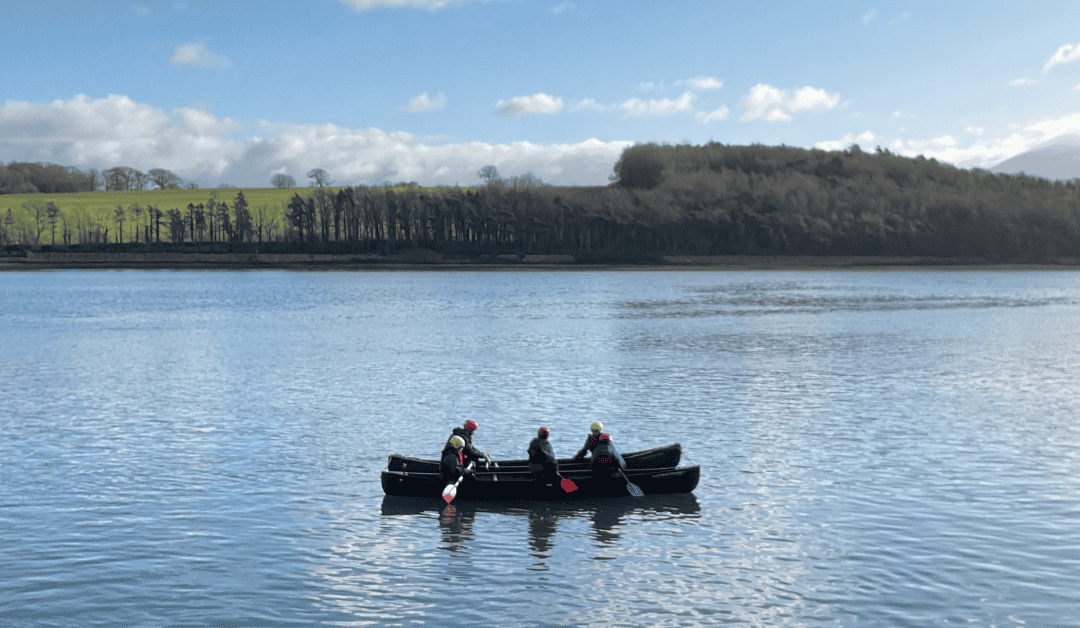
(758, 199)
(664, 200)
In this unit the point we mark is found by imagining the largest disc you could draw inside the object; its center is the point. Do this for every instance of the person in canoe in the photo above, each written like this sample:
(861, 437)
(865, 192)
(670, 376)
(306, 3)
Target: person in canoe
(542, 461)
(469, 452)
(590, 441)
(606, 461)
(453, 463)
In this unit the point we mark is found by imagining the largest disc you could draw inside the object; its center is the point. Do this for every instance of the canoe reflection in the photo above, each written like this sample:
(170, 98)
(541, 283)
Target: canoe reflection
(456, 520)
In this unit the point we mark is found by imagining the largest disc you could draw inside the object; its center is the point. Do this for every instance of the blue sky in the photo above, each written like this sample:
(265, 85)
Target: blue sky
(432, 90)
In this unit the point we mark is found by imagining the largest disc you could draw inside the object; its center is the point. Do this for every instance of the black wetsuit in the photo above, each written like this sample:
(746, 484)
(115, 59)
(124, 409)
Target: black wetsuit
(471, 454)
(605, 460)
(450, 468)
(542, 461)
(590, 444)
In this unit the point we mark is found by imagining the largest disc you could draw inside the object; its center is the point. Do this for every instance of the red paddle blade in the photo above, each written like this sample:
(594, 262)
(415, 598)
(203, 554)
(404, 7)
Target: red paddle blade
(568, 485)
(448, 497)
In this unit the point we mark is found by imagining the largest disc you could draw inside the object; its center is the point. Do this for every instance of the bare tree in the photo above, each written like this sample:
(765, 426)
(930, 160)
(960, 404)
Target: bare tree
(319, 177)
(165, 180)
(282, 181)
(94, 179)
(490, 174)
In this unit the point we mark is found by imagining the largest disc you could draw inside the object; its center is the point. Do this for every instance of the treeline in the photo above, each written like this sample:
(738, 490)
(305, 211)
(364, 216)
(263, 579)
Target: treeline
(663, 200)
(33, 178)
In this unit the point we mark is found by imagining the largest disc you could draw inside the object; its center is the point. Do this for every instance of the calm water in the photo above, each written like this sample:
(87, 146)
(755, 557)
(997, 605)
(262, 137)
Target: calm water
(204, 448)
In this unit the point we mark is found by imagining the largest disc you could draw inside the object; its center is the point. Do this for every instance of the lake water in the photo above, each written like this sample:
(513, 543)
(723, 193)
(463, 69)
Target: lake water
(203, 448)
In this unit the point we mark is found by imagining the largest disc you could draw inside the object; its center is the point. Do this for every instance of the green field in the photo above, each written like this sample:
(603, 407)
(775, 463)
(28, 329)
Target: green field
(104, 203)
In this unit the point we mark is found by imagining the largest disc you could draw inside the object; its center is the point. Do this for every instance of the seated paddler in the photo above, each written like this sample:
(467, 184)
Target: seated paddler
(590, 441)
(606, 461)
(453, 463)
(542, 461)
(469, 452)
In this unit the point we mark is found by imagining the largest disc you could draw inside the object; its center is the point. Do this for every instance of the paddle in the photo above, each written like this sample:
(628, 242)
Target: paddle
(450, 492)
(568, 485)
(634, 489)
(487, 463)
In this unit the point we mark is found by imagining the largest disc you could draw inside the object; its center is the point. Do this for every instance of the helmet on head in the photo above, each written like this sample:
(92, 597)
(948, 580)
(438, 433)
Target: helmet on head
(457, 442)
(597, 427)
(542, 432)
(606, 437)
(470, 426)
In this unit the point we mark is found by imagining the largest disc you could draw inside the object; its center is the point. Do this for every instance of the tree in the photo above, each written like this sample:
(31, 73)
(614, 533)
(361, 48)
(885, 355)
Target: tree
(139, 178)
(243, 217)
(490, 174)
(94, 179)
(136, 212)
(282, 181)
(52, 212)
(176, 226)
(640, 167)
(119, 216)
(192, 186)
(319, 177)
(165, 180)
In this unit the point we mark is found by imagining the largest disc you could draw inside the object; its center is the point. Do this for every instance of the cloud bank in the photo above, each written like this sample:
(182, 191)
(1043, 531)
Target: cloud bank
(201, 147)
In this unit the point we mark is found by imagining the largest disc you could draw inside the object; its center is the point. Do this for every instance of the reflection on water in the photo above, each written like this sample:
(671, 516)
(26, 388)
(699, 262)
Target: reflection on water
(605, 515)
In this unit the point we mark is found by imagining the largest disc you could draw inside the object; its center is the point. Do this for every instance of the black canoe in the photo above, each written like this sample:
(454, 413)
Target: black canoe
(667, 456)
(519, 485)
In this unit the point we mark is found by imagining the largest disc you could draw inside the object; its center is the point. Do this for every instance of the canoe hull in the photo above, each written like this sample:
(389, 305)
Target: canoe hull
(660, 457)
(521, 486)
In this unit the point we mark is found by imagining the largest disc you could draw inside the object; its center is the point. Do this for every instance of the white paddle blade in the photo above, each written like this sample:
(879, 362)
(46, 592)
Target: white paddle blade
(449, 493)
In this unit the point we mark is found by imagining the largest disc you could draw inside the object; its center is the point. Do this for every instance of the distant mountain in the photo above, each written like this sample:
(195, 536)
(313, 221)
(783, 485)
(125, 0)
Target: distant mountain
(1057, 159)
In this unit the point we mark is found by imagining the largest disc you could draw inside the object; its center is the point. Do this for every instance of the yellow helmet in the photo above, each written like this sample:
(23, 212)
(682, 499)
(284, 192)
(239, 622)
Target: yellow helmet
(457, 442)
(597, 427)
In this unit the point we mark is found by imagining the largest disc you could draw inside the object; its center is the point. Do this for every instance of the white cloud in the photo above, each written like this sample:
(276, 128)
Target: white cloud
(977, 130)
(635, 107)
(702, 83)
(765, 102)
(1065, 54)
(424, 103)
(141, 11)
(198, 146)
(646, 87)
(562, 7)
(196, 54)
(903, 17)
(845, 142)
(430, 5)
(711, 116)
(589, 104)
(869, 16)
(537, 103)
(1020, 82)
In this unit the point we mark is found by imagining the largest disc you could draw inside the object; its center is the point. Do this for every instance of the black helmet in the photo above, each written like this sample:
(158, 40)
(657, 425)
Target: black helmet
(542, 432)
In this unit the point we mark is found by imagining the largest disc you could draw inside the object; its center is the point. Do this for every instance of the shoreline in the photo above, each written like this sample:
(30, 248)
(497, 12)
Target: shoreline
(412, 262)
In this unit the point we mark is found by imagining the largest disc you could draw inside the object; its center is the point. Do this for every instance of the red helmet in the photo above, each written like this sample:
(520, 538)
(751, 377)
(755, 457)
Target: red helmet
(470, 426)
(542, 432)
(605, 437)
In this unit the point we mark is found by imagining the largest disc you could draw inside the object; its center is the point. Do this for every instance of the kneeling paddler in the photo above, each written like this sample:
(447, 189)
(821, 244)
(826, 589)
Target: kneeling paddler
(542, 461)
(606, 461)
(452, 465)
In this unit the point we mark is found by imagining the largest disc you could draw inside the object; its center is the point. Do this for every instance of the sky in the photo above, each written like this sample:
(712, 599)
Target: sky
(377, 91)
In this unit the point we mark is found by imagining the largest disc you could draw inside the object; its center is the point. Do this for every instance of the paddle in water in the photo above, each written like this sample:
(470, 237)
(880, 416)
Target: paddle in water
(450, 492)
(634, 489)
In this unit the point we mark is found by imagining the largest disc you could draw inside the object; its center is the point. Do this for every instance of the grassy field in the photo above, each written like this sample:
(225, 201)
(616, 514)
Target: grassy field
(104, 203)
